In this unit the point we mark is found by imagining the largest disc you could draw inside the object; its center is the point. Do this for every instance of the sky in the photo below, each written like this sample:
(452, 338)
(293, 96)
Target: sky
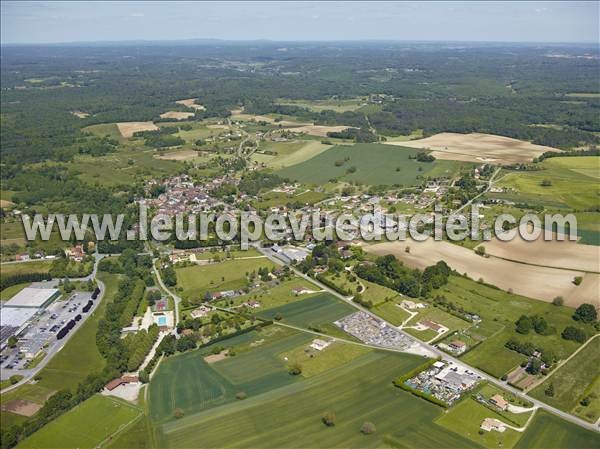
(71, 21)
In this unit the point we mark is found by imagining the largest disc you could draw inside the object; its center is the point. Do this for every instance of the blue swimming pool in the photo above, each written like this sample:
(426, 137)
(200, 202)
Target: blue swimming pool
(162, 320)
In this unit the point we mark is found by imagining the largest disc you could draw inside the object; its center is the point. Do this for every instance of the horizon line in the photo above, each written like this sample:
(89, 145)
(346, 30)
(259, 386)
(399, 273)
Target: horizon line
(295, 41)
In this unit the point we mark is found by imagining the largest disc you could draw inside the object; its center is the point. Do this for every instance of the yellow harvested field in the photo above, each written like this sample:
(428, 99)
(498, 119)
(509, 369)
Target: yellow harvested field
(558, 254)
(6, 203)
(318, 130)
(306, 152)
(191, 103)
(80, 114)
(177, 115)
(528, 280)
(265, 118)
(477, 147)
(181, 155)
(127, 129)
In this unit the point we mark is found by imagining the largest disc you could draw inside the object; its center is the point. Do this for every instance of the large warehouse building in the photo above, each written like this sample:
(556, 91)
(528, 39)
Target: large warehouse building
(17, 312)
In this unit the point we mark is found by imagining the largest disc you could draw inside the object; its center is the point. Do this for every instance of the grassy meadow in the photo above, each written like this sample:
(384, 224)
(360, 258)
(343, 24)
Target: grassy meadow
(371, 164)
(290, 416)
(85, 426)
(194, 280)
(573, 381)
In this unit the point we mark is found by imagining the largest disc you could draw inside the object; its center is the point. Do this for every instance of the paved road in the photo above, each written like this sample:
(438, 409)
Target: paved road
(53, 350)
(437, 352)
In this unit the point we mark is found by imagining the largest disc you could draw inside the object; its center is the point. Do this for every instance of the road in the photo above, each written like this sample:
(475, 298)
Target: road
(438, 352)
(483, 192)
(176, 299)
(54, 349)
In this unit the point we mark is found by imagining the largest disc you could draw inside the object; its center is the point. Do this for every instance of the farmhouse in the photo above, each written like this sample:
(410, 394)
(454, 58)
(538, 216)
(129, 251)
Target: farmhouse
(499, 402)
(490, 424)
(458, 346)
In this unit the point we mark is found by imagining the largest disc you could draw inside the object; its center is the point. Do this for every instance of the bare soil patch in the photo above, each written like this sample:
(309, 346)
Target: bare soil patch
(182, 155)
(267, 119)
(528, 280)
(318, 130)
(213, 358)
(477, 147)
(177, 115)
(217, 126)
(191, 103)
(127, 129)
(566, 254)
(80, 114)
(6, 203)
(21, 407)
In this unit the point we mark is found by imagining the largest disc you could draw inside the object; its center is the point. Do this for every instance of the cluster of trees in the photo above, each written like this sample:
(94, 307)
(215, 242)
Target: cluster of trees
(168, 275)
(359, 135)
(139, 345)
(422, 156)
(129, 262)
(21, 278)
(586, 313)
(390, 272)
(62, 267)
(161, 138)
(253, 182)
(574, 333)
(527, 348)
(526, 324)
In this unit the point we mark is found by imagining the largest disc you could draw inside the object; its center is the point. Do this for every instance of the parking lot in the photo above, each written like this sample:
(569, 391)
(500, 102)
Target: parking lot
(41, 333)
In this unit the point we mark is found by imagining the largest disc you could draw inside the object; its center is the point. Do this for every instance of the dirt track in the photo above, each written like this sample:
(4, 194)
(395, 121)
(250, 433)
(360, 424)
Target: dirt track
(477, 147)
(527, 280)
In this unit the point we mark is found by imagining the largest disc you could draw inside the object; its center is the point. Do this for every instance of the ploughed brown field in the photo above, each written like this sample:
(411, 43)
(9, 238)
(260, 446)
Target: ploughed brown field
(544, 283)
(553, 253)
(477, 147)
(177, 115)
(128, 129)
(191, 103)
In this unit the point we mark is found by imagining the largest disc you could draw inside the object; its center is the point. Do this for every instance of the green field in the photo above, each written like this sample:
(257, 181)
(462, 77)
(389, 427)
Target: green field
(310, 312)
(572, 383)
(466, 417)
(229, 275)
(547, 431)
(316, 362)
(284, 154)
(574, 183)
(36, 266)
(201, 386)
(80, 356)
(270, 297)
(436, 315)
(85, 426)
(290, 416)
(391, 312)
(375, 164)
(503, 309)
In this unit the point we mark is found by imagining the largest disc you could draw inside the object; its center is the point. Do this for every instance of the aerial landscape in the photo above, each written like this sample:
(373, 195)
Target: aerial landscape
(242, 225)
